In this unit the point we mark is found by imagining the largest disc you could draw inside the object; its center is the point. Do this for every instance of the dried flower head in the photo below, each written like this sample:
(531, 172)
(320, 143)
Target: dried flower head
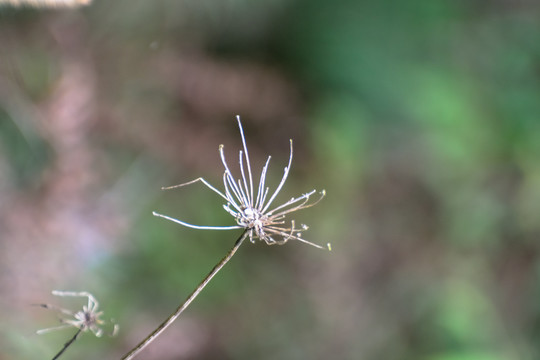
(250, 208)
(251, 212)
(89, 318)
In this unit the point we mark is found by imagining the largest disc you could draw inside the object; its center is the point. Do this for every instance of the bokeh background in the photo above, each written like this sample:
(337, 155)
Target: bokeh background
(419, 118)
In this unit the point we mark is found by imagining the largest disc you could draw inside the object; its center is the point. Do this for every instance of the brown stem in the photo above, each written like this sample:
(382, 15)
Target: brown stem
(188, 301)
(66, 345)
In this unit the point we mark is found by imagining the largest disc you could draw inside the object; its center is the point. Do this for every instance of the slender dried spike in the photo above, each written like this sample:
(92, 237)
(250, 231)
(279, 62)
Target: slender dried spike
(250, 200)
(247, 159)
(230, 198)
(301, 206)
(262, 180)
(282, 182)
(56, 308)
(230, 211)
(244, 195)
(264, 196)
(54, 328)
(229, 183)
(194, 181)
(230, 179)
(304, 197)
(196, 226)
(284, 234)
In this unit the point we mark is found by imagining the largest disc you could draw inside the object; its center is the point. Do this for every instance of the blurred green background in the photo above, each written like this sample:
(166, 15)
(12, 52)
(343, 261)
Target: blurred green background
(419, 118)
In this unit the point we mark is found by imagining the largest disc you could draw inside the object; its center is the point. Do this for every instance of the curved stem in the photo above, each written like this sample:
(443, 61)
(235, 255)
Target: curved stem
(188, 301)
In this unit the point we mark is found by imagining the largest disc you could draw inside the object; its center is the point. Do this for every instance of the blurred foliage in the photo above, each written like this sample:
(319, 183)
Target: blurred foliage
(419, 118)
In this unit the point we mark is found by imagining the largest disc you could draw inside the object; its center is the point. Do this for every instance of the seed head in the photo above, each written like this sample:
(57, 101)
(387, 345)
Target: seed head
(89, 318)
(251, 208)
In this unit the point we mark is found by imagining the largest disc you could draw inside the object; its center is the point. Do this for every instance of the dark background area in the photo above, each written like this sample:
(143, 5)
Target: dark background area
(419, 118)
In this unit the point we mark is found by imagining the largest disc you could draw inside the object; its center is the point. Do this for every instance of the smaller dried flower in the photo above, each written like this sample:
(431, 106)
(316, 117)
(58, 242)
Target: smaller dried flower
(86, 319)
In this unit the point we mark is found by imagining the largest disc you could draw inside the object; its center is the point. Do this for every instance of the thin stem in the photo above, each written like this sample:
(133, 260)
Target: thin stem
(66, 345)
(188, 301)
